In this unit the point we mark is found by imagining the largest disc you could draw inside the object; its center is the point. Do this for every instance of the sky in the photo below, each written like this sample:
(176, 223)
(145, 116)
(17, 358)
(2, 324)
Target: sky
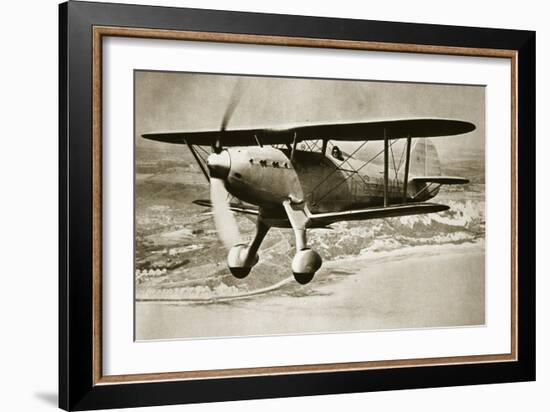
(175, 101)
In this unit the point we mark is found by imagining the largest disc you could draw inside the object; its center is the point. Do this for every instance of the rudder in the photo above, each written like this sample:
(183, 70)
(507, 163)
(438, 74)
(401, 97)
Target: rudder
(424, 159)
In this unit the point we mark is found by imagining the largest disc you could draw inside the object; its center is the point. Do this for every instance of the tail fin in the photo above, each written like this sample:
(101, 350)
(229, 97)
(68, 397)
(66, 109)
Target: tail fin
(424, 159)
(425, 172)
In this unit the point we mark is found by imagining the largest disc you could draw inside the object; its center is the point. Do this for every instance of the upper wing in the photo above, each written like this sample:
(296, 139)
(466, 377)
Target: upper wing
(376, 213)
(359, 131)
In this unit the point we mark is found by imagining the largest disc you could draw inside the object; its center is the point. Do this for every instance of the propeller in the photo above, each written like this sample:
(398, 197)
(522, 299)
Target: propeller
(226, 224)
(218, 164)
(234, 100)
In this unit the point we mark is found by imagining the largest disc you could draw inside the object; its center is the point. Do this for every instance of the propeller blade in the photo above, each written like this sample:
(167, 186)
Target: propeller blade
(226, 224)
(233, 103)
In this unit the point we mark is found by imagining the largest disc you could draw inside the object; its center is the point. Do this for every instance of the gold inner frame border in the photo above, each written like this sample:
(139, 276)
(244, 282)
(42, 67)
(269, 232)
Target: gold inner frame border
(101, 31)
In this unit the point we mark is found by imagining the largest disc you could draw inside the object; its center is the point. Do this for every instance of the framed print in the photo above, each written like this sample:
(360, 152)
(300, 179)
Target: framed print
(257, 205)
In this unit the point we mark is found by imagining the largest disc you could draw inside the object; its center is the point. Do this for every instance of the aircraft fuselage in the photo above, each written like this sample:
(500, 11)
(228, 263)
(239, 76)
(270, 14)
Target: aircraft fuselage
(267, 176)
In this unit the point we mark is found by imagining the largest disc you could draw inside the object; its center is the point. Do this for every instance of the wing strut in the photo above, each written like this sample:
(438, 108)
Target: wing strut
(196, 156)
(324, 147)
(258, 140)
(407, 162)
(294, 143)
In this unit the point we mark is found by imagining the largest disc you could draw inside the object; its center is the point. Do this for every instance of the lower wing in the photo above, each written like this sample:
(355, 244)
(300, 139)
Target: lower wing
(442, 180)
(376, 213)
(324, 219)
(235, 207)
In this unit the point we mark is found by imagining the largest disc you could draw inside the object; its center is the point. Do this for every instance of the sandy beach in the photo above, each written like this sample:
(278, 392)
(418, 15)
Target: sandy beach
(417, 287)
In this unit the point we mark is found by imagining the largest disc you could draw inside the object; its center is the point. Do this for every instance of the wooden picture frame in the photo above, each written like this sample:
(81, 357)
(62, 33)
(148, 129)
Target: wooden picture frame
(83, 26)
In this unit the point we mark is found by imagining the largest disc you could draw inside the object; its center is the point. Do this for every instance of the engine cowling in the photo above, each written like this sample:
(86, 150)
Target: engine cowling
(262, 176)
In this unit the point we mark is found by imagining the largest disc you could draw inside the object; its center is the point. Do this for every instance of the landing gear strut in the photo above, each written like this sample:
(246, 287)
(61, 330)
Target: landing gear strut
(306, 261)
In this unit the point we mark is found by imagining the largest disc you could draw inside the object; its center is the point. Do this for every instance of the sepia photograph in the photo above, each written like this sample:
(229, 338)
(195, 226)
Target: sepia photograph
(284, 206)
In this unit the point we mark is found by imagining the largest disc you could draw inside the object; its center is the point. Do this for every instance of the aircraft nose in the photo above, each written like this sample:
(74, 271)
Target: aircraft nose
(219, 164)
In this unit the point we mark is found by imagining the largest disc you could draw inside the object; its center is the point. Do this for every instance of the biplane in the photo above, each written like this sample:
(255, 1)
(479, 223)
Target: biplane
(297, 177)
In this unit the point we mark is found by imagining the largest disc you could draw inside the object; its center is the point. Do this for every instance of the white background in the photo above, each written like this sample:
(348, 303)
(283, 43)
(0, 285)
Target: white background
(28, 166)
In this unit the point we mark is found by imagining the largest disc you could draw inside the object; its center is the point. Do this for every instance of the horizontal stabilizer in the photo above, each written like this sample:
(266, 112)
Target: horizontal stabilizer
(442, 180)
(377, 212)
(235, 207)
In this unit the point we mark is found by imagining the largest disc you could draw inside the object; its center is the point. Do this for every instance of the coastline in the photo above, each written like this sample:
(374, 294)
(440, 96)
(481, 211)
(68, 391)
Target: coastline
(405, 288)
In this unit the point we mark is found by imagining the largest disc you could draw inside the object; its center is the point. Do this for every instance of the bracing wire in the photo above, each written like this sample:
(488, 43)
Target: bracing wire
(338, 167)
(351, 174)
(401, 157)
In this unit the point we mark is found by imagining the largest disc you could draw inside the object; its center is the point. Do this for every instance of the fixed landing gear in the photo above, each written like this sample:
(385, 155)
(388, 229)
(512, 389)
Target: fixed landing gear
(306, 262)
(304, 265)
(242, 258)
(240, 261)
